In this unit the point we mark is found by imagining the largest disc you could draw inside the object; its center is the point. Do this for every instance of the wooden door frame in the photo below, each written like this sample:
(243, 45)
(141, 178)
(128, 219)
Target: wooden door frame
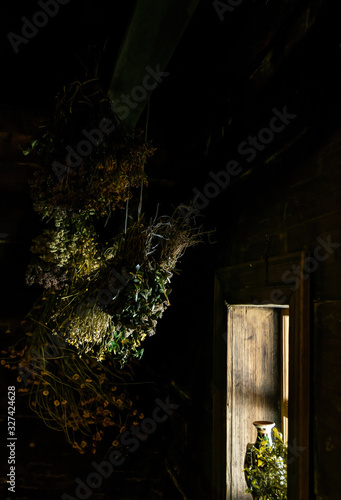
(271, 282)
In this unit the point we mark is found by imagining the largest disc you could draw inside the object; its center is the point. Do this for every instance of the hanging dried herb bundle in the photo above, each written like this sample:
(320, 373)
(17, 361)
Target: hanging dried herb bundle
(90, 164)
(113, 301)
(86, 400)
(100, 299)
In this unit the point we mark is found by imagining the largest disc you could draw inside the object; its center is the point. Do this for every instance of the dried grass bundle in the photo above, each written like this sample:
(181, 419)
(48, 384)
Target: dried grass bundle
(123, 301)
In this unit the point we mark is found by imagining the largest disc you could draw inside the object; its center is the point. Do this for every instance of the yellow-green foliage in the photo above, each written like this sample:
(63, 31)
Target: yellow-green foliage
(267, 473)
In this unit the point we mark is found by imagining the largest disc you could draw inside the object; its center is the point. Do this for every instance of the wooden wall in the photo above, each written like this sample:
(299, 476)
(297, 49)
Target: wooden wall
(288, 198)
(17, 221)
(291, 205)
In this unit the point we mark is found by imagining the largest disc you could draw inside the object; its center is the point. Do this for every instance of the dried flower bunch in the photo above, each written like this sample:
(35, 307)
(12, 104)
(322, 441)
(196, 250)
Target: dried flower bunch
(89, 163)
(86, 400)
(91, 310)
(68, 251)
(102, 295)
(118, 320)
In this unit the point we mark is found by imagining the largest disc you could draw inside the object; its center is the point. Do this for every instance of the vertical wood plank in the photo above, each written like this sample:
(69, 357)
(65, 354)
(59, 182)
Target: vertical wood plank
(219, 396)
(229, 399)
(327, 355)
(253, 383)
(299, 389)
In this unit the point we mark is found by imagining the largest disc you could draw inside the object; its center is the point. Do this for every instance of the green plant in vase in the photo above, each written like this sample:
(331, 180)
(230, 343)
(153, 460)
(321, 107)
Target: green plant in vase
(266, 472)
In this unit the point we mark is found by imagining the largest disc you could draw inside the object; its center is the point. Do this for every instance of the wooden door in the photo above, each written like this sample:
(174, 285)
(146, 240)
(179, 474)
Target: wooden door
(253, 384)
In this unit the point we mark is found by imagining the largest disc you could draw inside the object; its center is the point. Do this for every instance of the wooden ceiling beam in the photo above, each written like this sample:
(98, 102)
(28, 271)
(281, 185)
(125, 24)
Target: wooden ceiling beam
(151, 38)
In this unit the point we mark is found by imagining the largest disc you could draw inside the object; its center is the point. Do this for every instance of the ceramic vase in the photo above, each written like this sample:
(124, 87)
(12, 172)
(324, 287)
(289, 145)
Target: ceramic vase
(264, 432)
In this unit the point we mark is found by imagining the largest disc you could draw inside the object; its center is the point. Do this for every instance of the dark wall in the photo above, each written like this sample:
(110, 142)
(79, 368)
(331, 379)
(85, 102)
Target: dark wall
(291, 205)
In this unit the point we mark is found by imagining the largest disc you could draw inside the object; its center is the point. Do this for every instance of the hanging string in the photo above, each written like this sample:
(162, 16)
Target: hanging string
(157, 212)
(139, 210)
(126, 221)
(109, 215)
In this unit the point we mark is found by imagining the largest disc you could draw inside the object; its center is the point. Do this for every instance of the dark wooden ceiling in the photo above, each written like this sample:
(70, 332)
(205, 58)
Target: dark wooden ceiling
(225, 74)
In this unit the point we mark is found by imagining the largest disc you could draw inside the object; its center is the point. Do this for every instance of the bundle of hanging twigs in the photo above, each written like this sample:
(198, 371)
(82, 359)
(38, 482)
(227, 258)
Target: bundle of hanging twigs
(105, 286)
